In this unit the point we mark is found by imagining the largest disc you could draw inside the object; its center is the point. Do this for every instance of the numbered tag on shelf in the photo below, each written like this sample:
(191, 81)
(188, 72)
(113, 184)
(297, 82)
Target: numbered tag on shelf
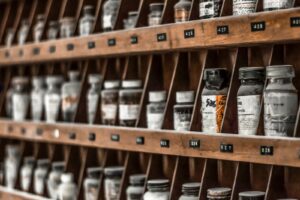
(111, 42)
(39, 131)
(23, 131)
(164, 143)
(52, 49)
(258, 26)
(91, 45)
(70, 47)
(134, 39)
(115, 138)
(226, 148)
(222, 30)
(295, 21)
(266, 150)
(92, 136)
(72, 136)
(161, 37)
(195, 144)
(7, 54)
(36, 51)
(189, 33)
(10, 129)
(21, 52)
(140, 140)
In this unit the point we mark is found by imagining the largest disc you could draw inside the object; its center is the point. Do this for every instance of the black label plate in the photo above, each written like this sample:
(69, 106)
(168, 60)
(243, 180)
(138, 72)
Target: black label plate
(70, 47)
(222, 30)
(295, 21)
(161, 37)
(164, 143)
(266, 150)
(92, 136)
(72, 136)
(7, 54)
(189, 33)
(115, 137)
(258, 26)
(226, 148)
(140, 140)
(21, 52)
(52, 49)
(23, 131)
(91, 45)
(39, 131)
(134, 39)
(194, 143)
(36, 51)
(111, 42)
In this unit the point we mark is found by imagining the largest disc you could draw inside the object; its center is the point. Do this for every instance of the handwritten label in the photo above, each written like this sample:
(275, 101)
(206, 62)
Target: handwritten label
(70, 47)
(161, 37)
(140, 140)
(134, 39)
(115, 137)
(36, 51)
(258, 26)
(189, 33)
(91, 45)
(194, 143)
(164, 143)
(295, 21)
(266, 150)
(222, 30)
(226, 148)
(111, 42)
(92, 136)
(52, 49)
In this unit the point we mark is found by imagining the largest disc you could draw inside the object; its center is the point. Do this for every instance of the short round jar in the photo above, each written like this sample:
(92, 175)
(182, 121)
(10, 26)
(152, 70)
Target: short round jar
(136, 189)
(219, 193)
(270, 5)
(112, 182)
(190, 191)
(157, 189)
(67, 27)
(252, 195)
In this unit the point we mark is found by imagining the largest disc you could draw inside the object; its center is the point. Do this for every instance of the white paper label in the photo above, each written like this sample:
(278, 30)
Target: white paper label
(26, 174)
(243, 7)
(112, 188)
(37, 104)
(52, 103)
(107, 21)
(129, 112)
(109, 111)
(11, 168)
(207, 8)
(276, 4)
(20, 106)
(93, 100)
(155, 120)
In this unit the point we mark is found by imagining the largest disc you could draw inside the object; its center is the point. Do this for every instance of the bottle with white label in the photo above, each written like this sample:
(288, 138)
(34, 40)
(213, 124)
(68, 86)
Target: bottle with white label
(67, 189)
(249, 99)
(20, 98)
(243, 7)
(210, 8)
(280, 101)
(110, 13)
(93, 96)
(213, 99)
(87, 21)
(8, 99)
(270, 5)
(182, 10)
(154, 17)
(156, 109)
(183, 110)
(129, 102)
(92, 183)
(26, 173)
(40, 175)
(37, 98)
(54, 179)
(11, 164)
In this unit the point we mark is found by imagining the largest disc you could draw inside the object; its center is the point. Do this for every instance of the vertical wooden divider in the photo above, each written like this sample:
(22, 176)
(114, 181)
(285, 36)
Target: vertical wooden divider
(98, 16)
(7, 84)
(194, 14)
(168, 12)
(4, 21)
(226, 9)
(124, 8)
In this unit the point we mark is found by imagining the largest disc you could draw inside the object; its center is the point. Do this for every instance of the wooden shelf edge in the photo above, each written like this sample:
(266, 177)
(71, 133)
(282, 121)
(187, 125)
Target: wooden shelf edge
(9, 194)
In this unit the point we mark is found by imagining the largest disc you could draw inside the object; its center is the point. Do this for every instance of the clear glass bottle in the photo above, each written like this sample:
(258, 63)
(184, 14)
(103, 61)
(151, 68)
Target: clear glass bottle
(20, 98)
(129, 102)
(243, 7)
(67, 188)
(93, 96)
(53, 30)
(12, 161)
(219, 193)
(53, 98)
(249, 99)
(39, 28)
(190, 191)
(136, 189)
(182, 10)
(110, 13)
(37, 98)
(210, 8)
(252, 195)
(92, 183)
(26, 173)
(54, 179)
(67, 27)
(23, 31)
(9, 100)
(87, 21)
(10, 33)
(183, 110)
(213, 99)
(40, 175)
(270, 5)
(155, 15)
(156, 109)
(109, 102)
(130, 22)
(158, 189)
(280, 101)
(112, 182)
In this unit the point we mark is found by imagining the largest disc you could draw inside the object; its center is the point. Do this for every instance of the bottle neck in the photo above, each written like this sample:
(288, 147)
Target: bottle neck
(95, 86)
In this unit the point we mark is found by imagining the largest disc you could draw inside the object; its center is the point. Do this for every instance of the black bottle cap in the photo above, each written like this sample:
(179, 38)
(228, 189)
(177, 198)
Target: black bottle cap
(215, 78)
(252, 73)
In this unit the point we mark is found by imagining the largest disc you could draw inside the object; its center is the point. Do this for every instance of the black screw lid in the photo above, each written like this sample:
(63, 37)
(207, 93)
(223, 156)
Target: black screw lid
(252, 73)
(215, 78)
(94, 172)
(137, 179)
(157, 7)
(191, 189)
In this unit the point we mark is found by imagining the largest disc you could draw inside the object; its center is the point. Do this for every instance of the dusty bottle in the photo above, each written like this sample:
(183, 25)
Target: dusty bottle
(243, 7)
(136, 189)
(40, 175)
(37, 98)
(190, 191)
(9, 100)
(210, 8)
(110, 13)
(26, 173)
(53, 30)
(92, 183)
(67, 27)
(93, 96)
(67, 189)
(155, 15)
(277, 4)
(158, 189)
(112, 182)
(54, 179)
(156, 109)
(130, 22)
(10, 33)
(12, 160)
(252, 195)
(23, 32)
(20, 98)
(87, 21)
(219, 193)
(182, 10)
(38, 28)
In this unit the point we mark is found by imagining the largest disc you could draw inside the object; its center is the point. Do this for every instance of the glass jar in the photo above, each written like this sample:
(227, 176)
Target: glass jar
(37, 98)
(213, 99)
(190, 191)
(10, 33)
(93, 96)
(20, 98)
(129, 102)
(39, 27)
(243, 7)
(182, 10)
(110, 13)
(109, 102)
(157, 190)
(155, 15)
(130, 22)
(252, 195)
(210, 8)
(53, 98)
(156, 109)
(53, 30)
(280, 101)
(67, 27)
(87, 21)
(23, 31)
(92, 183)
(249, 99)
(12, 160)
(136, 189)
(219, 194)
(54, 179)
(9, 100)
(112, 182)
(183, 110)
(26, 173)
(270, 5)
(40, 175)
(67, 188)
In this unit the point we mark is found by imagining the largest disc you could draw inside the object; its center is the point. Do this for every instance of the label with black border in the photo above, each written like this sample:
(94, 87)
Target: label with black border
(226, 148)
(223, 30)
(295, 21)
(39, 131)
(10, 129)
(111, 42)
(21, 52)
(189, 33)
(92, 136)
(70, 47)
(258, 26)
(36, 51)
(161, 37)
(164, 143)
(23, 131)
(115, 137)
(72, 136)
(140, 140)
(266, 150)
(91, 45)
(134, 39)
(195, 144)
(7, 54)
(52, 49)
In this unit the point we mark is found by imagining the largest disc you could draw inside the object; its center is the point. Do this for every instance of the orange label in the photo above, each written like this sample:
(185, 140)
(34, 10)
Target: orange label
(220, 107)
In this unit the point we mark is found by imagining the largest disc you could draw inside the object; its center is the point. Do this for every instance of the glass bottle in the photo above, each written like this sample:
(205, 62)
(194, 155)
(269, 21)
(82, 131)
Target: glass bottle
(249, 99)
(112, 182)
(190, 191)
(54, 179)
(155, 15)
(136, 189)
(40, 175)
(243, 7)
(20, 98)
(53, 30)
(110, 13)
(37, 98)
(12, 160)
(213, 99)
(109, 102)
(67, 27)
(210, 8)
(130, 22)
(156, 109)
(182, 10)
(9, 100)
(53, 98)
(87, 21)
(252, 195)
(39, 27)
(129, 102)
(92, 183)
(67, 188)
(93, 96)
(270, 5)
(183, 110)
(23, 31)
(280, 101)
(10, 33)
(158, 189)
(219, 194)
(26, 173)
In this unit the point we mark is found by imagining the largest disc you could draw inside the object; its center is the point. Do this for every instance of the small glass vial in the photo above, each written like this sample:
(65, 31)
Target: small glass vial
(252, 195)
(190, 191)
(219, 194)
(67, 27)
(183, 110)
(213, 99)
(53, 30)
(37, 98)
(54, 179)
(26, 173)
(155, 15)
(87, 21)
(93, 96)
(280, 101)
(53, 98)
(249, 99)
(67, 189)
(9, 37)
(156, 109)
(243, 7)
(157, 189)
(39, 27)
(182, 10)
(20, 98)
(210, 8)
(23, 31)
(112, 182)
(92, 183)
(109, 102)
(129, 102)
(12, 160)
(40, 175)
(130, 22)
(136, 189)
(270, 5)
(110, 13)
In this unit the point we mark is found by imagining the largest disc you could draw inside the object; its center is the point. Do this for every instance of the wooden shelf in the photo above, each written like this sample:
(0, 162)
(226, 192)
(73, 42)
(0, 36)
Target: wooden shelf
(9, 194)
